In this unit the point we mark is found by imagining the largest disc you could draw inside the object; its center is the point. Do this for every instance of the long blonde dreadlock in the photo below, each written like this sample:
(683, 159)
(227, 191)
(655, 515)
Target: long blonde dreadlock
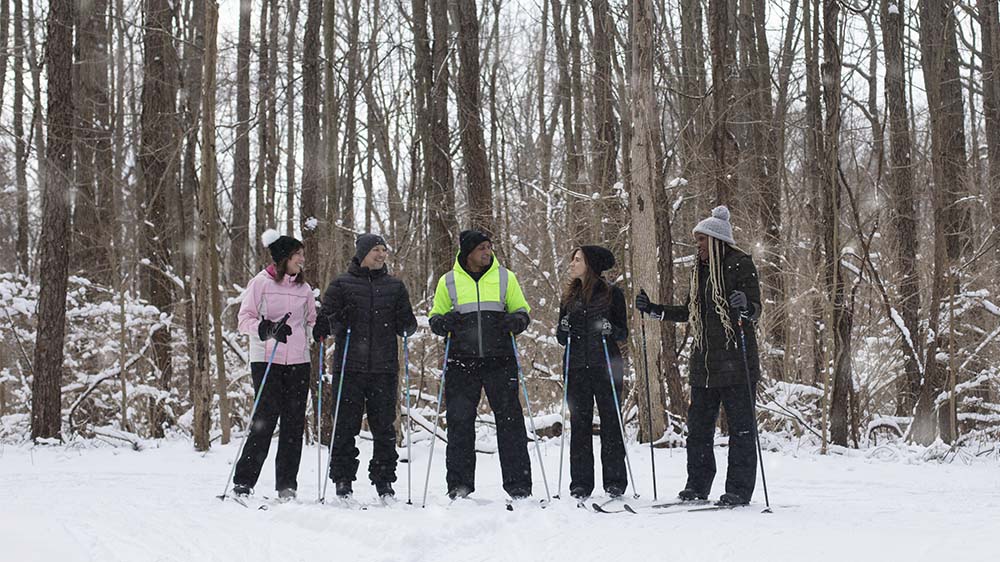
(715, 250)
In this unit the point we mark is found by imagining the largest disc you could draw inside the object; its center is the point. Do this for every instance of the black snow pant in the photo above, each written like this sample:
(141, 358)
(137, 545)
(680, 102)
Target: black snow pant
(375, 393)
(465, 380)
(587, 385)
(702, 416)
(284, 397)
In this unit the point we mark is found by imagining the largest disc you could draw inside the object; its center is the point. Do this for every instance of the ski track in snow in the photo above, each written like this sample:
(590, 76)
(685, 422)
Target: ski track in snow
(107, 504)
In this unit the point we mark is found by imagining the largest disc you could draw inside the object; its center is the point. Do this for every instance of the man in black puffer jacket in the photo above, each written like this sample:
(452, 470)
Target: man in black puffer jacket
(724, 287)
(375, 306)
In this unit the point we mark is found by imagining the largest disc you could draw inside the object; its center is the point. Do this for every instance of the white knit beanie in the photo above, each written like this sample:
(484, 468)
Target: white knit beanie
(717, 225)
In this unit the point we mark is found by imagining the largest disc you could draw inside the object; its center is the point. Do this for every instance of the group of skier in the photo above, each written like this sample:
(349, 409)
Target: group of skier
(479, 308)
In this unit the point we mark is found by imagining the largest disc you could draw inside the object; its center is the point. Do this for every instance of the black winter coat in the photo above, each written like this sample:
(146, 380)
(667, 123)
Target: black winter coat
(717, 363)
(377, 308)
(585, 320)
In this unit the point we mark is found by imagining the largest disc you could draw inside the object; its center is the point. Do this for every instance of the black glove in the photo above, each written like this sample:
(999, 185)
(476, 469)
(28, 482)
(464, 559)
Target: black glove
(408, 331)
(320, 332)
(443, 324)
(643, 305)
(514, 323)
(564, 324)
(606, 327)
(343, 316)
(268, 330)
(738, 301)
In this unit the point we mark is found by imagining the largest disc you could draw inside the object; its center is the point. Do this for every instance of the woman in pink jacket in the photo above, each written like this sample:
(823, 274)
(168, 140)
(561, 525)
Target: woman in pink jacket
(274, 292)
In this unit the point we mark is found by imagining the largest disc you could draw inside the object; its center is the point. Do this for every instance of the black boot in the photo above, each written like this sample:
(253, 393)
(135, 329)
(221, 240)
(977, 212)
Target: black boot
(384, 490)
(615, 493)
(727, 500)
(344, 489)
(579, 493)
(687, 494)
(242, 491)
(520, 493)
(459, 492)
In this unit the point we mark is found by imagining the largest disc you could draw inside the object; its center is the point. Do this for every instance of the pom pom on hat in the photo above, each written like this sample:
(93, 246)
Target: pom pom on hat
(269, 237)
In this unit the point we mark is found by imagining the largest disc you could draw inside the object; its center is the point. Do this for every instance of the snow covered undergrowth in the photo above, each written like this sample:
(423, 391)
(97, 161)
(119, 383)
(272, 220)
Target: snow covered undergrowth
(101, 503)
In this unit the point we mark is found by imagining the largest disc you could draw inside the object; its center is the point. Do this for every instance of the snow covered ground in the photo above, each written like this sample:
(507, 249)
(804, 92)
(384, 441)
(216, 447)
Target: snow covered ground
(101, 503)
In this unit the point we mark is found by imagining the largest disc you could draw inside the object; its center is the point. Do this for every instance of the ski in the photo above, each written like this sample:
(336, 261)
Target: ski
(602, 507)
(510, 503)
(665, 505)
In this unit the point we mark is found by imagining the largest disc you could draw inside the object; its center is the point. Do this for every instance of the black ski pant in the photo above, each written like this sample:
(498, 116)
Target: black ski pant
(465, 381)
(587, 385)
(702, 416)
(376, 394)
(282, 398)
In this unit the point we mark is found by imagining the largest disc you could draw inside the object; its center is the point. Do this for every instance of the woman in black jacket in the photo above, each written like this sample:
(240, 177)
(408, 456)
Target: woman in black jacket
(592, 311)
(724, 291)
(376, 307)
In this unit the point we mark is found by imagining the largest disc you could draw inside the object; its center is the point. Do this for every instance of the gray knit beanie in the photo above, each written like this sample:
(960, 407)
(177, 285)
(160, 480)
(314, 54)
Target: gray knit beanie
(717, 225)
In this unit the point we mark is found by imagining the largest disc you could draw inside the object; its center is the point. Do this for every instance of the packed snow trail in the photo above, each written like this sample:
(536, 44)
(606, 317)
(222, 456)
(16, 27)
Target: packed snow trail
(90, 502)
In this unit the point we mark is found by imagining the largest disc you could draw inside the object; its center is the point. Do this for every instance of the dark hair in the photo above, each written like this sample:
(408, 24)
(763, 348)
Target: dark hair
(281, 269)
(585, 288)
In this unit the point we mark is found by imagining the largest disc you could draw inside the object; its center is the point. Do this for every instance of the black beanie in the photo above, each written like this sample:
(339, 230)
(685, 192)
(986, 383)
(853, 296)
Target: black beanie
(281, 246)
(365, 243)
(467, 241)
(599, 258)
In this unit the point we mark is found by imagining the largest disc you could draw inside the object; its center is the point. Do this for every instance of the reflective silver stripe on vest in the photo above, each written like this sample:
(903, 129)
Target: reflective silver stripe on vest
(449, 282)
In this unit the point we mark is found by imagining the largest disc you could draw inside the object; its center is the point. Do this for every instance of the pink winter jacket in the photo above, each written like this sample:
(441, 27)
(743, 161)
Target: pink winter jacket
(266, 298)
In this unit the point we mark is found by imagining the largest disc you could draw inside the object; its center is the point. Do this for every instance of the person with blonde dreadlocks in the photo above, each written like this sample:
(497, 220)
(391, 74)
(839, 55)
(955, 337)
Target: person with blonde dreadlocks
(724, 286)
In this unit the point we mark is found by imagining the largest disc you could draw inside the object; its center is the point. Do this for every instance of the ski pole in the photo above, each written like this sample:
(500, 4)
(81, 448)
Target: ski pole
(319, 424)
(336, 412)
(649, 406)
(753, 409)
(253, 410)
(618, 410)
(409, 448)
(562, 414)
(531, 418)
(437, 415)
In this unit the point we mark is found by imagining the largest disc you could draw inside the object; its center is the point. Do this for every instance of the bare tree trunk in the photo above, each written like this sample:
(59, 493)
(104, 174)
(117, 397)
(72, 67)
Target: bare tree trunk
(20, 146)
(576, 215)
(331, 145)
(645, 169)
(696, 167)
(346, 204)
(605, 141)
(240, 226)
(312, 174)
(273, 162)
(902, 218)
(158, 161)
(723, 48)
(290, 122)
(814, 150)
(4, 48)
(441, 199)
(208, 266)
(263, 132)
(989, 22)
(941, 63)
(56, 234)
(839, 426)
(477, 170)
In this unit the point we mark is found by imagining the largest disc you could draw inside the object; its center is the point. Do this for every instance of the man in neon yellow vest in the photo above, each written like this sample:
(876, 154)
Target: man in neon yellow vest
(479, 304)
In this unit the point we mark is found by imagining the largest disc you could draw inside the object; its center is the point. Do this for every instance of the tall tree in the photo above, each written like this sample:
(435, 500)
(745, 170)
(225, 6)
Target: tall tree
(90, 219)
(724, 147)
(832, 241)
(240, 227)
(941, 63)
(903, 217)
(989, 23)
(477, 171)
(441, 199)
(264, 141)
(290, 50)
(20, 145)
(158, 162)
(312, 175)
(645, 169)
(46, 411)
(605, 140)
